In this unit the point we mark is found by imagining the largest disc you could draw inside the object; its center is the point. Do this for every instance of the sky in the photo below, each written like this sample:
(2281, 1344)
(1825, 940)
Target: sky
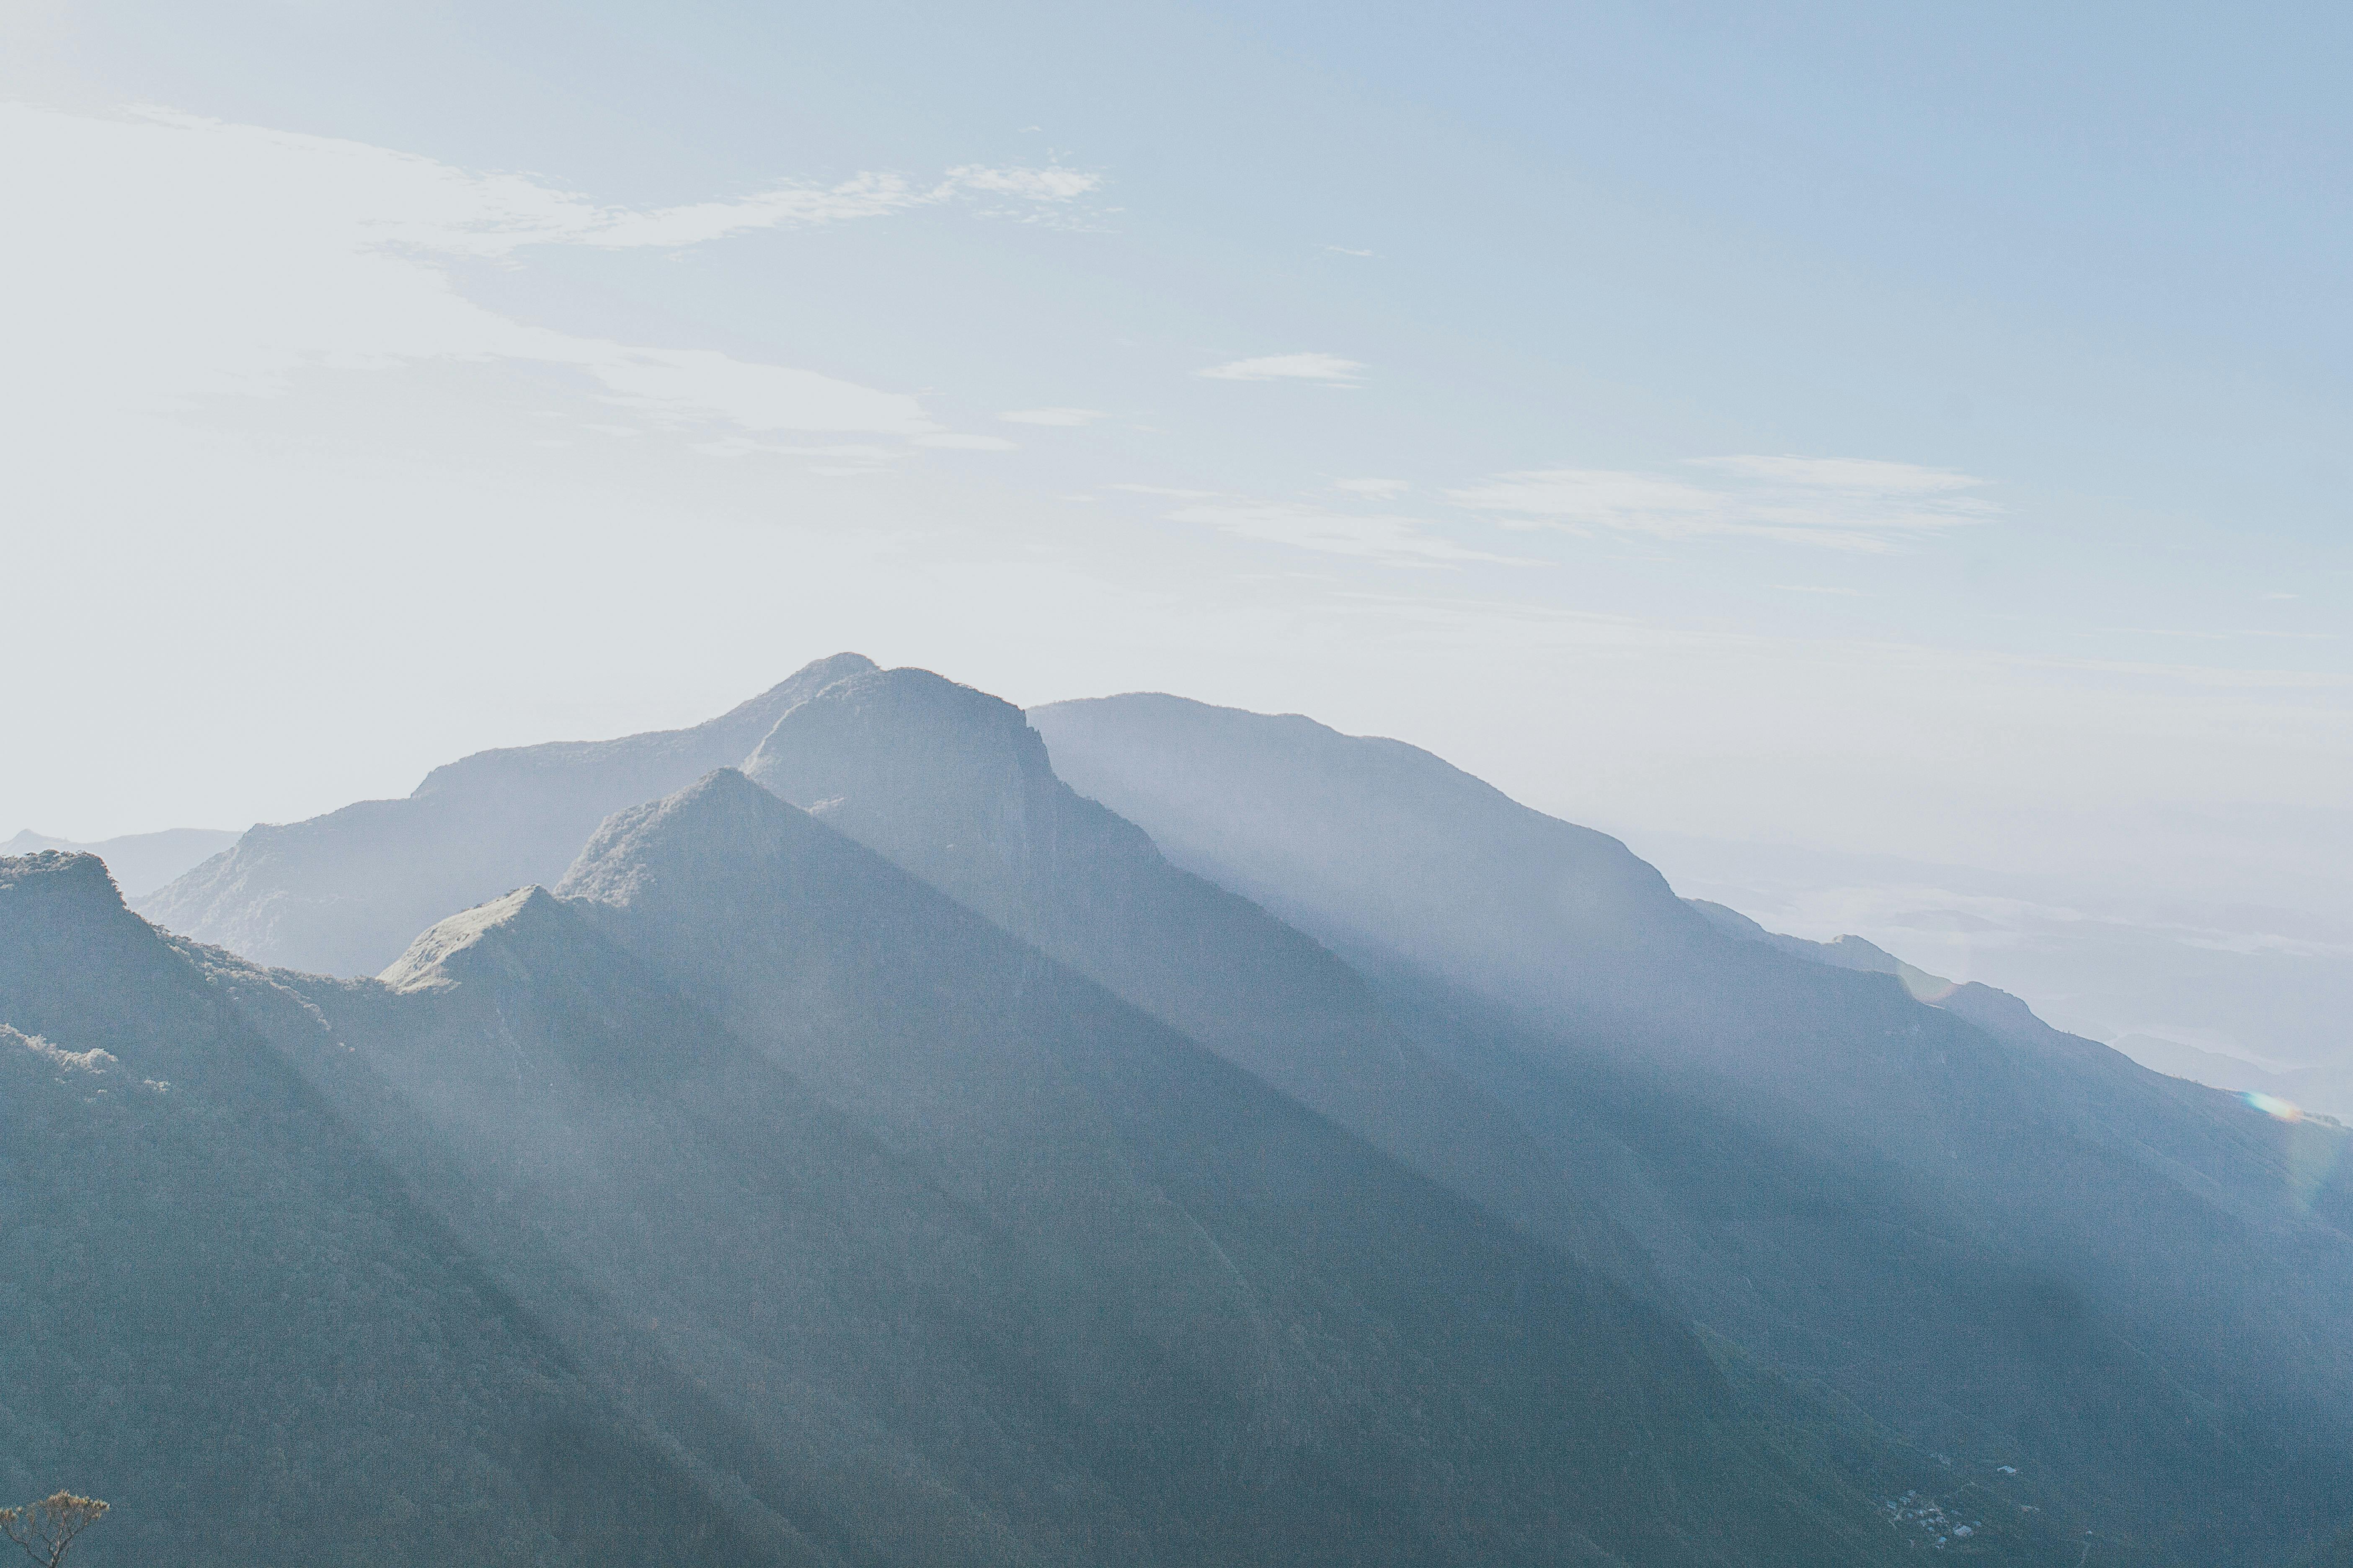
(1909, 434)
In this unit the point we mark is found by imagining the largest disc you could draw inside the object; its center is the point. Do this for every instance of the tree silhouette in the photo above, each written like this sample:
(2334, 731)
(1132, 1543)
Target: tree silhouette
(46, 1528)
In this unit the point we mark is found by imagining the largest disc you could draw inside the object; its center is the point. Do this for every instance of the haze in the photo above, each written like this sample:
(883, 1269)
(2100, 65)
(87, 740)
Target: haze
(1888, 465)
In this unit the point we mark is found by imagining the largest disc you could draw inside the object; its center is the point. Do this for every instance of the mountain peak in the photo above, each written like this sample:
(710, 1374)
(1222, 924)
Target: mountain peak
(796, 688)
(713, 828)
(426, 965)
(887, 727)
(59, 878)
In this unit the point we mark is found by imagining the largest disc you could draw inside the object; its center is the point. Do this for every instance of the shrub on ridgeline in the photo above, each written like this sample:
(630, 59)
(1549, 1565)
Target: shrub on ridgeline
(47, 1530)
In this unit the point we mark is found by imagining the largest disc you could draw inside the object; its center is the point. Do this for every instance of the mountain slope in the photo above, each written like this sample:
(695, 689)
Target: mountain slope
(1290, 1315)
(953, 786)
(228, 1315)
(886, 1239)
(1999, 1012)
(2045, 1257)
(344, 893)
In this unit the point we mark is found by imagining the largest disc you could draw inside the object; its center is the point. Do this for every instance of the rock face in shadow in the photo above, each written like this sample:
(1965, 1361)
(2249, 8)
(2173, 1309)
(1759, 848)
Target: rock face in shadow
(347, 893)
(2005, 1245)
(751, 1201)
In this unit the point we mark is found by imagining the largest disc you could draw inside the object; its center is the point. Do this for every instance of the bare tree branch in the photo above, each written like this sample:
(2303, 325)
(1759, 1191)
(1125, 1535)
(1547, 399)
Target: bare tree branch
(47, 1530)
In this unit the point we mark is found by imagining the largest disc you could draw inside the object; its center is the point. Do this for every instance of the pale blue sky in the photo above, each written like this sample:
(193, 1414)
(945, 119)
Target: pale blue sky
(1911, 430)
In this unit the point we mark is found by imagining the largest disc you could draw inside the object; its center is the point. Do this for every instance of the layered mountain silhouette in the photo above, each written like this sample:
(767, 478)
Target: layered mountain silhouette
(347, 893)
(751, 1201)
(139, 862)
(879, 1126)
(2010, 1246)
(953, 786)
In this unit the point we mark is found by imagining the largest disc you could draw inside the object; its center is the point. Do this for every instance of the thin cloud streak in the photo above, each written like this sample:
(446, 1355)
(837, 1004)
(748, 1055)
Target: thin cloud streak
(1390, 541)
(1838, 503)
(1330, 369)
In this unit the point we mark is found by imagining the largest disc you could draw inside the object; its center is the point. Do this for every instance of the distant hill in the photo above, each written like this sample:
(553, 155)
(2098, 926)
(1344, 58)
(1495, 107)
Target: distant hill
(2001, 1013)
(2004, 1244)
(2178, 1060)
(139, 862)
(347, 893)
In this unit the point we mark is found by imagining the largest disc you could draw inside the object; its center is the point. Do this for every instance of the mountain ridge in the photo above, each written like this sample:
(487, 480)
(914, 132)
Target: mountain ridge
(344, 892)
(2009, 1206)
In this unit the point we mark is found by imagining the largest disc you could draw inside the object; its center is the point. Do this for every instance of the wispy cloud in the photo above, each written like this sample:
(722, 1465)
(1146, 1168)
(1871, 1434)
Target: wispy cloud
(956, 442)
(1330, 369)
(1067, 416)
(1032, 184)
(1345, 250)
(291, 253)
(744, 447)
(1391, 541)
(1372, 489)
(1165, 490)
(1843, 503)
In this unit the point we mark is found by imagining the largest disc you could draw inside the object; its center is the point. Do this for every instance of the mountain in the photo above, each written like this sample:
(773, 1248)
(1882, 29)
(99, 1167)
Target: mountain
(1999, 1012)
(228, 1313)
(748, 1200)
(2009, 1247)
(953, 786)
(2178, 1060)
(347, 893)
(1844, 952)
(139, 862)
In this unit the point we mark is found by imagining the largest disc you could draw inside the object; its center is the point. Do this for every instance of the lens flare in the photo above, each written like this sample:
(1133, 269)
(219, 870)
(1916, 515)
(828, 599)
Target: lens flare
(2278, 1109)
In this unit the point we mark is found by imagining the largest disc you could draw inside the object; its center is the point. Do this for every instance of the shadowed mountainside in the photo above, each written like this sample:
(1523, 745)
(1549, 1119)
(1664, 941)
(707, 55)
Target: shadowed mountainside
(2012, 1247)
(953, 786)
(885, 1239)
(229, 1314)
